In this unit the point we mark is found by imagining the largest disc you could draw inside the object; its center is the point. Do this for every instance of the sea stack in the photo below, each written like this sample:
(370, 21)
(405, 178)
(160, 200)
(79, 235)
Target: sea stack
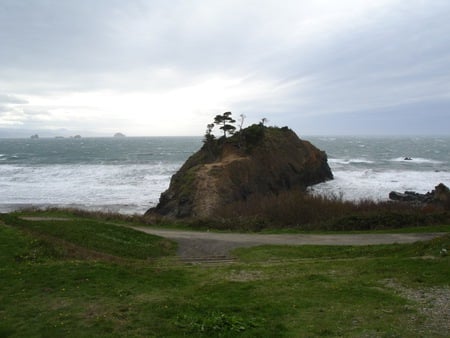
(256, 161)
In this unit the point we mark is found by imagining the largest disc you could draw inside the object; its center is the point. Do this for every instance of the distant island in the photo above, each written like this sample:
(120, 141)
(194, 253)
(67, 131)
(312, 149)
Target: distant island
(34, 137)
(119, 135)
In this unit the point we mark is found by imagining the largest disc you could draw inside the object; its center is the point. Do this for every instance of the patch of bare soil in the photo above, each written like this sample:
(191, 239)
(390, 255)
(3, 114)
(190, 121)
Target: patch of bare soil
(433, 303)
(207, 194)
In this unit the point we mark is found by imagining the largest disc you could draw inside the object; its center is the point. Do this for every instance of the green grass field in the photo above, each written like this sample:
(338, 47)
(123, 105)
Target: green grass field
(87, 277)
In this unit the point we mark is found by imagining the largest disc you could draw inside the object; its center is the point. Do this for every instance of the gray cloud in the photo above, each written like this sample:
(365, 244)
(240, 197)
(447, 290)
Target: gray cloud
(11, 99)
(3, 109)
(393, 58)
(313, 62)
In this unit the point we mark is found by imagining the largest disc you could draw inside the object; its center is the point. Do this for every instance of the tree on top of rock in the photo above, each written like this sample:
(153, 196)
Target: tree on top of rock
(225, 121)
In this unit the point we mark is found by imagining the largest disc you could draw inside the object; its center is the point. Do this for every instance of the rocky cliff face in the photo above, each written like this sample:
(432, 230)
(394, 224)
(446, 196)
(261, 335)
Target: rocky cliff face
(258, 160)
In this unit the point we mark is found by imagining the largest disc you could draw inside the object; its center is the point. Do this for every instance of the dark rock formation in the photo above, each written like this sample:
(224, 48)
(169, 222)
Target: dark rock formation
(440, 195)
(411, 196)
(257, 160)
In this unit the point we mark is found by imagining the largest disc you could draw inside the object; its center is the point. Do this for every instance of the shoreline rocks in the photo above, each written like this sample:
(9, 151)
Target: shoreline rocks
(440, 195)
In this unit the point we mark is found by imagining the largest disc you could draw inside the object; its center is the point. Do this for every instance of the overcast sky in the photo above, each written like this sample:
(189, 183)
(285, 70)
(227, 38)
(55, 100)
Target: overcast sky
(145, 67)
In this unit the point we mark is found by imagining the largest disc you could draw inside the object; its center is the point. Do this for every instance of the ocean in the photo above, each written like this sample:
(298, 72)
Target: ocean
(127, 175)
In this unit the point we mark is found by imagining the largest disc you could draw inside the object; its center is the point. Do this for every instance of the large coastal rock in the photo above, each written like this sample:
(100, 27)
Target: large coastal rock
(258, 160)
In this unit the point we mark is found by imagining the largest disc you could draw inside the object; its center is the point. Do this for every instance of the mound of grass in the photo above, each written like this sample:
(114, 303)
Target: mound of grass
(92, 234)
(50, 297)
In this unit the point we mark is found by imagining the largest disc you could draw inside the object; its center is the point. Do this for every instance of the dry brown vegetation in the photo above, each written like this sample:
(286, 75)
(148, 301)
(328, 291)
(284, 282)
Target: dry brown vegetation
(306, 212)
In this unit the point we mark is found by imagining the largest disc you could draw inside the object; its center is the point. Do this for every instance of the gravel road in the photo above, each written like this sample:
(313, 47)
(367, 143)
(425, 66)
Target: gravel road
(212, 244)
(203, 245)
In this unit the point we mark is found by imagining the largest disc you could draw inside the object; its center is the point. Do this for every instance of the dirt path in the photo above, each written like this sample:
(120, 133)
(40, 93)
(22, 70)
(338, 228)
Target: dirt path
(201, 245)
(196, 244)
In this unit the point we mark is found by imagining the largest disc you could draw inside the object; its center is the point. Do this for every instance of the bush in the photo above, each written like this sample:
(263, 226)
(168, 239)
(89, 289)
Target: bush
(299, 210)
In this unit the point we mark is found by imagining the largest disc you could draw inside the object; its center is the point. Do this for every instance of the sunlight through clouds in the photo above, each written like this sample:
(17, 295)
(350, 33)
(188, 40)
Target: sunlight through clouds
(152, 111)
(155, 67)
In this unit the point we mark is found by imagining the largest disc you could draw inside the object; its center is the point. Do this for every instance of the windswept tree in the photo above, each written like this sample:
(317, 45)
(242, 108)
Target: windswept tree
(209, 128)
(241, 124)
(241, 121)
(209, 136)
(210, 145)
(225, 121)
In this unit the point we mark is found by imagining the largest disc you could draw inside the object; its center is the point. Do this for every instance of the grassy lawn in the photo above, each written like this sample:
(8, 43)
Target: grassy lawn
(88, 277)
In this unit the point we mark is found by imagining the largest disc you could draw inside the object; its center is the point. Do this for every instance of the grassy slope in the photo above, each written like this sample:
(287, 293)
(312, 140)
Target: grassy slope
(48, 290)
(95, 236)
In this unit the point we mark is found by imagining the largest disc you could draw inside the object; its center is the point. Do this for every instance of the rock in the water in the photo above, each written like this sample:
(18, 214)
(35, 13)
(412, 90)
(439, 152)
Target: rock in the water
(258, 160)
(440, 195)
(410, 196)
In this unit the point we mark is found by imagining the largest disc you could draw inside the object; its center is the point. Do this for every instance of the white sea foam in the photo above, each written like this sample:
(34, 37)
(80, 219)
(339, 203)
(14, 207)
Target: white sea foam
(416, 160)
(349, 161)
(122, 188)
(368, 184)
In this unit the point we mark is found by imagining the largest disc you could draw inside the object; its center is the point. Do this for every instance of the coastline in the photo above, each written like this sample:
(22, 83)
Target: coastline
(128, 177)
(122, 209)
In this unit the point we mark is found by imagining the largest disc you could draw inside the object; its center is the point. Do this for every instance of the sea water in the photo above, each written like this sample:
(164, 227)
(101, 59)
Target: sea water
(371, 167)
(127, 175)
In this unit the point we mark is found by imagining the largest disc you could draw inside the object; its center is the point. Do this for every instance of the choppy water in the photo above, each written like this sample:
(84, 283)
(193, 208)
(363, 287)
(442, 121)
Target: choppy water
(127, 175)
(124, 175)
(368, 167)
